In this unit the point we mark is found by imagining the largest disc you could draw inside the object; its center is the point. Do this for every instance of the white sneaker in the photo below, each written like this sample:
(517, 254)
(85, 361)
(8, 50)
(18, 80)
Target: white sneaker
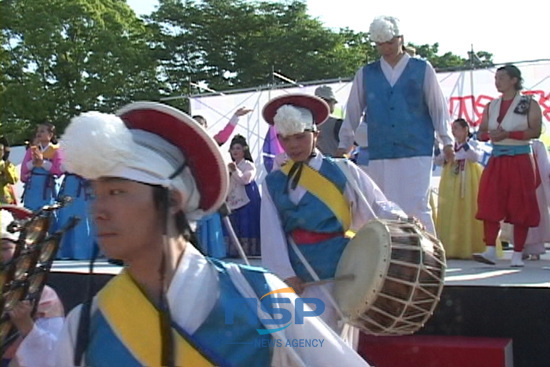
(487, 257)
(517, 262)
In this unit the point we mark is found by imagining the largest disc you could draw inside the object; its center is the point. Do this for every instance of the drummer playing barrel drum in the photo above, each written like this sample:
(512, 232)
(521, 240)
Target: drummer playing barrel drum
(311, 205)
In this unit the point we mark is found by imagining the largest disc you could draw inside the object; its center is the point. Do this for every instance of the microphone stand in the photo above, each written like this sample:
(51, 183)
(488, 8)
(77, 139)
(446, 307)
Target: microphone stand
(224, 212)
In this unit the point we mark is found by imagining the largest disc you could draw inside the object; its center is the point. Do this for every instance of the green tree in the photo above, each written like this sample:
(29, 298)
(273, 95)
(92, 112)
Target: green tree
(238, 44)
(59, 58)
(231, 44)
(450, 61)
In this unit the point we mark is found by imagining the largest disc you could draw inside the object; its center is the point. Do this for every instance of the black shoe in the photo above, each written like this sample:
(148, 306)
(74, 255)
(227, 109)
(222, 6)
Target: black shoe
(482, 258)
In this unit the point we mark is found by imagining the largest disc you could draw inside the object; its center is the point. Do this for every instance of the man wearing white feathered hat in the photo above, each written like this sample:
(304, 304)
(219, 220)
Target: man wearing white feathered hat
(311, 204)
(404, 109)
(153, 170)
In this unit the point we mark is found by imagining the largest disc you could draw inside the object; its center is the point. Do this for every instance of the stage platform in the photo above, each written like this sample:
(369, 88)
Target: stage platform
(459, 272)
(478, 300)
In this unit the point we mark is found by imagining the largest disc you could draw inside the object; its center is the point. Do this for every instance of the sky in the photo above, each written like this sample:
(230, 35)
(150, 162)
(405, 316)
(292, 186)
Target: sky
(512, 33)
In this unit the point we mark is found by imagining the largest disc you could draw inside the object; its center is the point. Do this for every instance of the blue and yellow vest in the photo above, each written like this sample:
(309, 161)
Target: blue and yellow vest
(215, 343)
(313, 215)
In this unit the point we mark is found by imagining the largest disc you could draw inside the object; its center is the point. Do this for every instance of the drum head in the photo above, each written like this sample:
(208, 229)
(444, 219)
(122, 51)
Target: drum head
(367, 256)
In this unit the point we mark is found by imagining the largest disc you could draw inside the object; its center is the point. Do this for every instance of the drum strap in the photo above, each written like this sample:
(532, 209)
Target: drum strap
(325, 190)
(316, 278)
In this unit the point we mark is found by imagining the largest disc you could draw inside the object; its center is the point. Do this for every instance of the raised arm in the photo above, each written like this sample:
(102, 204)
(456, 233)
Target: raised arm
(223, 135)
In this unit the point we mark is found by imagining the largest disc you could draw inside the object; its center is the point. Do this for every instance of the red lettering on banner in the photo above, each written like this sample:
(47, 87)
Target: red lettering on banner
(471, 109)
(467, 105)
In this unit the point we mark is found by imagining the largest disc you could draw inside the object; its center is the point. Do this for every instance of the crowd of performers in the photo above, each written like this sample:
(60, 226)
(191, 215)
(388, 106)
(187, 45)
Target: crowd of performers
(153, 172)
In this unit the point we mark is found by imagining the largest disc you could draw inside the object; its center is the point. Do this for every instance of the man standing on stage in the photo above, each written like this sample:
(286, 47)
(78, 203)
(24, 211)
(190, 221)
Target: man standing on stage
(403, 106)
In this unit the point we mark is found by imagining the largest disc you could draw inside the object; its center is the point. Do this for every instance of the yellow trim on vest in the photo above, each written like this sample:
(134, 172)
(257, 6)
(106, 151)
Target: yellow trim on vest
(325, 190)
(140, 329)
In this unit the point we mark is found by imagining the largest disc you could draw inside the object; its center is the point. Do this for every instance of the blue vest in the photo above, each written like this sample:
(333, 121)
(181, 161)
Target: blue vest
(224, 344)
(399, 122)
(313, 215)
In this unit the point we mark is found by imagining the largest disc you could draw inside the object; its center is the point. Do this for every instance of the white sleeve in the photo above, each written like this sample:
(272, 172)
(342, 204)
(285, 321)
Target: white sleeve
(245, 176)
(437, 105)
(65, 348)
(37, 347)
(474, 153)
(367, 200)
(274, 245)
(355, 106)
(330, 350)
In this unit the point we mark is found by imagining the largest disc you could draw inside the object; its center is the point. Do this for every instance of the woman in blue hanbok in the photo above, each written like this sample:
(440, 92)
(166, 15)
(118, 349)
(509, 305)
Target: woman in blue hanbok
(209, 229)
(79, 241)
(40, 168)
(243, 199)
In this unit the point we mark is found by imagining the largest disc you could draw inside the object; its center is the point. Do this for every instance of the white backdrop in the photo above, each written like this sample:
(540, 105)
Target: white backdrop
(467, 93)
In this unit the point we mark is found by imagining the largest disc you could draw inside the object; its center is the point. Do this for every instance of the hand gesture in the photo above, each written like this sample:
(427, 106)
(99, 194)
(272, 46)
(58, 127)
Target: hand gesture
(37, 156)
(242, 111)
(20, 315)
(449, 153)
(232, 166)
(498, 134)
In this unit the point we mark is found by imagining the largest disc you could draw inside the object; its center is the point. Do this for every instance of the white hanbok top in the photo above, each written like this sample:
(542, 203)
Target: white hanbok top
(192, 295)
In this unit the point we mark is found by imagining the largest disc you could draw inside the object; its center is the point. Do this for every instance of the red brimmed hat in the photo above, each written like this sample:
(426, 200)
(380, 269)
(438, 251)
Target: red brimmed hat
(319, 108)
(201, 151)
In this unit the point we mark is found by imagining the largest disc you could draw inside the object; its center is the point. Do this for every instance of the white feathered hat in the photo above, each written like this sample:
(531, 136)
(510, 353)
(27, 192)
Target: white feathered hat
(295, 113)
(152, 143)
(384, 28)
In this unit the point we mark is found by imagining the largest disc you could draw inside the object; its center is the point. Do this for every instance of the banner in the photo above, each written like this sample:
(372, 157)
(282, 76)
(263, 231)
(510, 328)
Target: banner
(467, 93)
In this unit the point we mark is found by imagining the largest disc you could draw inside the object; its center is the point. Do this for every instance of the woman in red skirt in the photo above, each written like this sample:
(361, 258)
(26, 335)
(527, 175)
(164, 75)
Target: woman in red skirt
(507, 190)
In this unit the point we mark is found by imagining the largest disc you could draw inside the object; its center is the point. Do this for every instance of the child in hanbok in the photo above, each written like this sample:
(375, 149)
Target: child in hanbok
(40, 168)
(457, 229)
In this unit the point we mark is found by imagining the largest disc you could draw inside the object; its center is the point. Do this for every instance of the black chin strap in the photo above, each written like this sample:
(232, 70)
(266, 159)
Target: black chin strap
(296, 172)
(83, 336)
(294, 175)
(167, 338)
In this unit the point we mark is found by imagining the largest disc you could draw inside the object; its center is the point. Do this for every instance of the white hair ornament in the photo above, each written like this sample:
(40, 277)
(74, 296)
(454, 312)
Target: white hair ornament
(384, 29)
(290, 120)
